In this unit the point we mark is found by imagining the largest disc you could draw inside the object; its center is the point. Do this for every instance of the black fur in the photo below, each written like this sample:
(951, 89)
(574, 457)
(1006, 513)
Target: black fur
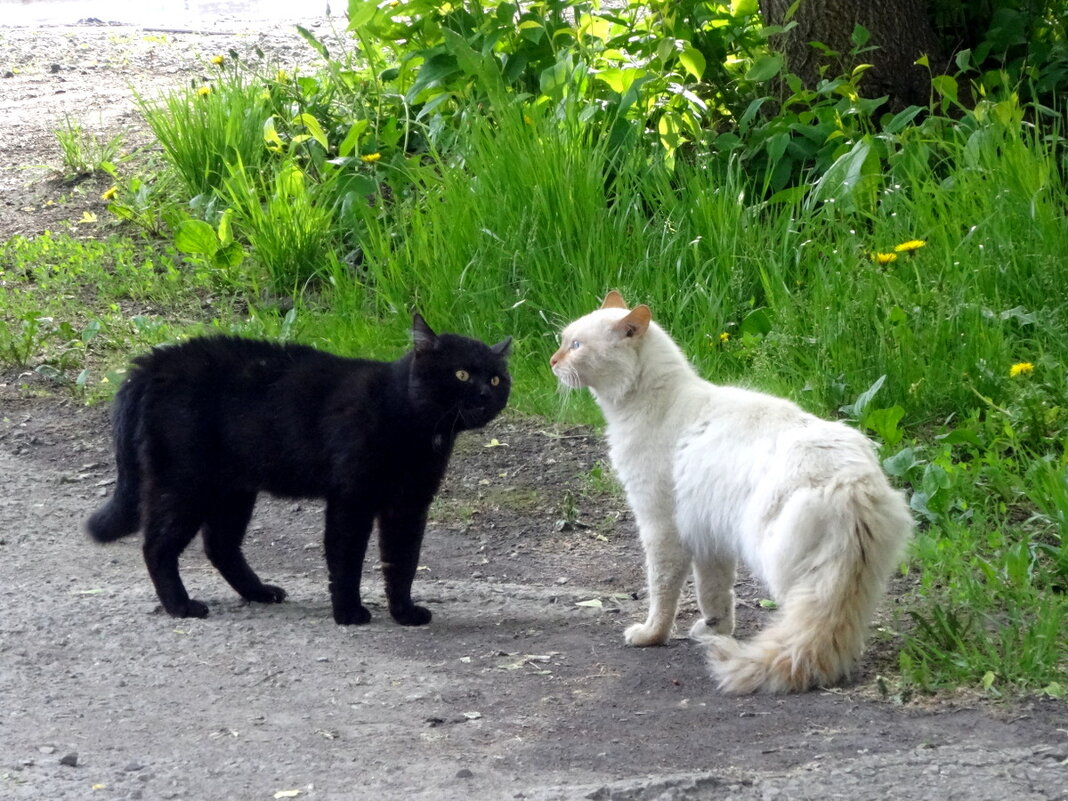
(202, 427)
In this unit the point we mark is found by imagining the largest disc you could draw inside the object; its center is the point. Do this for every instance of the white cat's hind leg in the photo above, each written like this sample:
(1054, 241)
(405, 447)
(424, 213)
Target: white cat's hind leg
(714, 584)
(666, 564)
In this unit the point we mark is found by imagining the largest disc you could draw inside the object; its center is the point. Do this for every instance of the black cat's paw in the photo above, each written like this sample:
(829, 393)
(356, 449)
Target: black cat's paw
(411, 615)
(189, 608)
(267, 594)
(352, 616)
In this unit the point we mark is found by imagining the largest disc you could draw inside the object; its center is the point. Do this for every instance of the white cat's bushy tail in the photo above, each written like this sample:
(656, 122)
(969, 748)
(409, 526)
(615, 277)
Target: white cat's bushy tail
(841, 542)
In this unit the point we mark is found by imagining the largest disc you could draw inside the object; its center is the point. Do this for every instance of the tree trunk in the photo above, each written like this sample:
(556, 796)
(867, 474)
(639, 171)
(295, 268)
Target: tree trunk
(900, 29)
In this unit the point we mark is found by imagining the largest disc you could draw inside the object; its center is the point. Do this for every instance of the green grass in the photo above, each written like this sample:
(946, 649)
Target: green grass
(207, 129)
(526, 219)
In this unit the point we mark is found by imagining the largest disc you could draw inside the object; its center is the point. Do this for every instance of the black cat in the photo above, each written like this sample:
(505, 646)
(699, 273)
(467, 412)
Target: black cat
(200, 428)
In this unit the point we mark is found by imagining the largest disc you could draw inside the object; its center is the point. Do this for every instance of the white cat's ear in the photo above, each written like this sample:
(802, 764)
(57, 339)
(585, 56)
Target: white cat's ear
(503, 348)
(423, 336)
(613, 300)
(634, 324)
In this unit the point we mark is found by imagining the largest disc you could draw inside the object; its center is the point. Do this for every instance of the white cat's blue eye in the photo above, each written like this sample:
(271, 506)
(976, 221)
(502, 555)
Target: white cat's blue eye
(575, 344)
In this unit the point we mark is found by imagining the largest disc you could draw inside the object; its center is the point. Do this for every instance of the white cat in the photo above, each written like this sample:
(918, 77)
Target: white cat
(717, 474)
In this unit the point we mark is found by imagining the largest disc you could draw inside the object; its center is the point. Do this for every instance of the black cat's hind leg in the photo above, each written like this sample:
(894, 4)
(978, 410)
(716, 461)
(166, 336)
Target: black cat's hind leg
(348, 528)
(169, 528)
(400, 537)
(223, 533)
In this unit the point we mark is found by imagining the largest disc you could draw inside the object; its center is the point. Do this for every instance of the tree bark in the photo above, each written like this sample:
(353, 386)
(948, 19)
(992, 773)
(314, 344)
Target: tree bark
(900, 29)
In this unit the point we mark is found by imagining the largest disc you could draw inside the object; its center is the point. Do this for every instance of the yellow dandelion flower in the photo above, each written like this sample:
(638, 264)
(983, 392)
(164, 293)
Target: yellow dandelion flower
(110, 193)
(527, 120)
(218, 60)
(724, 338)
(883, 258)
(908, 247)
(370, 158)
(281, 76)
(87, 217)
(204, 91)
(1021, 368)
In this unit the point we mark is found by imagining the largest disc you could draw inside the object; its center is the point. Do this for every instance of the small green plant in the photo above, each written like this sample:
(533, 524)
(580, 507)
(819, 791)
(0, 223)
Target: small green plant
(292, 232)
(86, 153)
(215, 246)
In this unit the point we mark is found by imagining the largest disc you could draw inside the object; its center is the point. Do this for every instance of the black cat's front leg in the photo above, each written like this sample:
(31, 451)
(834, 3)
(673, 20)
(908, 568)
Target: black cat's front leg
(348, 527)
(400, 537)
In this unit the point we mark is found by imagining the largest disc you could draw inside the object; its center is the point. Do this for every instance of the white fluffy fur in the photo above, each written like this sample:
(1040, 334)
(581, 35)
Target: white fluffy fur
(717, 474)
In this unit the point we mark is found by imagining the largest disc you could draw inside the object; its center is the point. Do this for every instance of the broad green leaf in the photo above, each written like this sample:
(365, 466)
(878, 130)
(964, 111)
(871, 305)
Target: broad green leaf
(466, 58)
(433, 73)
(900, 121)
(901, 463)
(750, 113)
(945, 85)
(314, 129)
(361, 12)
(290, 181)
(196, 237)
(935, 478)
(790, 195)
(884, 422)
(961, 436)
(860, 405)
(743, 8)
(352, 138)
(764, 68)
(620, 80)
(670, 128)
(225, 233)
(693, 60)
(270, 134)
(554, 78)
(758, 322)
(852, 181)
(228, 257)
(776, 146)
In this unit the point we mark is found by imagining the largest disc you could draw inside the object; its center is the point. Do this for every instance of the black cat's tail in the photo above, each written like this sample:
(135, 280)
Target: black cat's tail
(121, 515)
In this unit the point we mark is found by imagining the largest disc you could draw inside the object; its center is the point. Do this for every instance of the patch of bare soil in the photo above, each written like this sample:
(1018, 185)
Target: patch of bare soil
(520, 688)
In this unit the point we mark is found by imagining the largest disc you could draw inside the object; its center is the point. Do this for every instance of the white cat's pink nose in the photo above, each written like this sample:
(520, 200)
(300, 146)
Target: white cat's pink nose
(556, 357)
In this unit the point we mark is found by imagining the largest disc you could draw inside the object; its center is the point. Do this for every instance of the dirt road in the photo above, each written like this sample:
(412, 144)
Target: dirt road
(520, 688)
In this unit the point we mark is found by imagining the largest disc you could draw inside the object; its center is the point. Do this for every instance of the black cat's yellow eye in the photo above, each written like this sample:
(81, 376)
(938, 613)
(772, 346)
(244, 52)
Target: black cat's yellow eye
(495, 380)
(463, 375)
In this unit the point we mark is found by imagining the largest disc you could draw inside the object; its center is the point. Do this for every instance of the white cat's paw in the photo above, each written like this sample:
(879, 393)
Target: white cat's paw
(702, 630)
(642, 635)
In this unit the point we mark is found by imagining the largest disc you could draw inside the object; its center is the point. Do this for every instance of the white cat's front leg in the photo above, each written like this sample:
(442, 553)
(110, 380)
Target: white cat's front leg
(714, 584)
(666, 563)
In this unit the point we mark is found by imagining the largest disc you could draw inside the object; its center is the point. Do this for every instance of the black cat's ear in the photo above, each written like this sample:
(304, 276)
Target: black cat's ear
(423, 336)
(503, 348)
